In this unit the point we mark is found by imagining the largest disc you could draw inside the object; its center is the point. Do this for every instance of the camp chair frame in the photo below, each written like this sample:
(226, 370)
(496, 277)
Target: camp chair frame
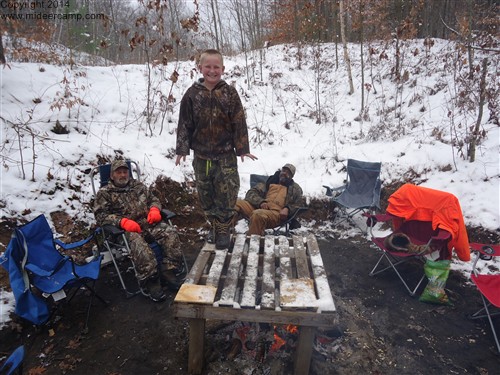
(415, 230)
(289, 224)
(359, 194)
(114, 240)
(45, 268)
(488, 286)
(14, 363)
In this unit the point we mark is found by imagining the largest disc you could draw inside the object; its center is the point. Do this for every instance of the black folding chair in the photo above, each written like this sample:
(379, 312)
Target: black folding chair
(291, 222)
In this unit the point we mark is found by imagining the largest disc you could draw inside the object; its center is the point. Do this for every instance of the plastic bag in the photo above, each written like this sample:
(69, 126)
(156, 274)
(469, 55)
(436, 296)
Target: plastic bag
(437, 272)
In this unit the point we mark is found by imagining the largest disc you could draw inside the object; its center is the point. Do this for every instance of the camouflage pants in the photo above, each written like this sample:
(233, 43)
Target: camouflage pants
(218, 184)
(143, 256)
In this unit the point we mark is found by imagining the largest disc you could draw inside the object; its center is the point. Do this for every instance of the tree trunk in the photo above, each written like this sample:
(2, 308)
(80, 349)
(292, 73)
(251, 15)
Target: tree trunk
(361, 36)
(2, 56)
(214, 15)
(344, 43)
(482, 97)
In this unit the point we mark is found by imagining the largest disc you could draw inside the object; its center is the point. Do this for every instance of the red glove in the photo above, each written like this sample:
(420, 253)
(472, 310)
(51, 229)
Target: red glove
(130, 225)
(154, 215)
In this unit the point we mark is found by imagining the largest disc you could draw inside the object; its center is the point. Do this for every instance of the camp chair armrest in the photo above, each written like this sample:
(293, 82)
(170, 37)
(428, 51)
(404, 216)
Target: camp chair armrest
(483, 252)
(441, 235)
(330, 190)
(297, 211)
(112, 229)
(167, 214)
(486, 250)
(43, 272)
(373, 219)
(73, 245)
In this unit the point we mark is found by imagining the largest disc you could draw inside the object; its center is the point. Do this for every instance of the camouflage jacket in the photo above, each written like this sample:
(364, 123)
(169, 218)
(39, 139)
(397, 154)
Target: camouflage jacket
(133, 202)
(294, 196)
(212, 122)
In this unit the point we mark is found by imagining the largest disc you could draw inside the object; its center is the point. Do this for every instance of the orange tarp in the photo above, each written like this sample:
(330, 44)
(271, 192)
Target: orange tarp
(412, 202)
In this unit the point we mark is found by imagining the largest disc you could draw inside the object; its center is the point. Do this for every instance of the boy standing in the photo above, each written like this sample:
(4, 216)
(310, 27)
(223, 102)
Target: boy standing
(212, 123)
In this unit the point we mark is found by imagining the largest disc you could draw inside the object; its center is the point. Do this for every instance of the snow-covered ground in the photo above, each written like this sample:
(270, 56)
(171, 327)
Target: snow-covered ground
(299, 111)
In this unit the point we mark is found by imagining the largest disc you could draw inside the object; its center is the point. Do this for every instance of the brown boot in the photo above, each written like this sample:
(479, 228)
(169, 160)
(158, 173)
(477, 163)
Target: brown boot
(173, 278)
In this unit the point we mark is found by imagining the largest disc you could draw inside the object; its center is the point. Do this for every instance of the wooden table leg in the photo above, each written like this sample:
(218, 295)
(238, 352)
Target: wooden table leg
(196, 345)
(304, 350)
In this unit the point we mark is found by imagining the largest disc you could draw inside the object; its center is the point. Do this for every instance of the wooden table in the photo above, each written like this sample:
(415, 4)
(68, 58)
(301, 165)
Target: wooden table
(269, 279)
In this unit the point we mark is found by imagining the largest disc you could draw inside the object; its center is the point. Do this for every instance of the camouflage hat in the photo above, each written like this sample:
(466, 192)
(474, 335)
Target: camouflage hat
(118, 164)
(291, 168)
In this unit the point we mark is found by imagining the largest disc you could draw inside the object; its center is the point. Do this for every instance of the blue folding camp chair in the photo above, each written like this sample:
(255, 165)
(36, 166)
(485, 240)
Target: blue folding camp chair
(34, 262)
(360, 193)
(289, 224)
(14, 364)
(114, 243)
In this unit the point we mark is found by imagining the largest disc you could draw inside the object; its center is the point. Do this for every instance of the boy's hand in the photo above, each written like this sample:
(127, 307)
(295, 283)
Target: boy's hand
(178, 159)
(253, 157)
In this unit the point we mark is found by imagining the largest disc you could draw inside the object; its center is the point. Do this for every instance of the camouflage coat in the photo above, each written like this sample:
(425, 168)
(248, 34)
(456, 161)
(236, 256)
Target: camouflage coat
(294, 196)
(133, 201)
(212, 122)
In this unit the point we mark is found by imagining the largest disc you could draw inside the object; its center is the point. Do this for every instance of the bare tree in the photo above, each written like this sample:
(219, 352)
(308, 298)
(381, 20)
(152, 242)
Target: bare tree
(2, 56)
(344, 43)
(216, 24)
(482, 100)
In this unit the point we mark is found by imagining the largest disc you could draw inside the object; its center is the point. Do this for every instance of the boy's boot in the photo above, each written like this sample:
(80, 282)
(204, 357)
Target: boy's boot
(211, 232)
(222, 234)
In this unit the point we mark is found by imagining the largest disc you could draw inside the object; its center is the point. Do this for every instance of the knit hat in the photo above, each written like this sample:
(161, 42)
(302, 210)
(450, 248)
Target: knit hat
(291, 168)
(118, 164)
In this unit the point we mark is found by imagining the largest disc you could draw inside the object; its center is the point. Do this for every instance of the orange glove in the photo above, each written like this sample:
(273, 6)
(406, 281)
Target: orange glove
(130, 225)
(154, 215)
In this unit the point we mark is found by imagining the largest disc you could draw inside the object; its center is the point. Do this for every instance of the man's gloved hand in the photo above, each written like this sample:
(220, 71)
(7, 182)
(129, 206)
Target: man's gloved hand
(154, 215)
(130, 225)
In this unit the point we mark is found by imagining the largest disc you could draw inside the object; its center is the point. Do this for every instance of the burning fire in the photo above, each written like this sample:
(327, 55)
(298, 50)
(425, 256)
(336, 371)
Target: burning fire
(278, 341)
(292, 329)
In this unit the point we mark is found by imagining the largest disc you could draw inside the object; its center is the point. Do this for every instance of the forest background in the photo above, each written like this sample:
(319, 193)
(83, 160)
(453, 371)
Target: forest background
(161, 31)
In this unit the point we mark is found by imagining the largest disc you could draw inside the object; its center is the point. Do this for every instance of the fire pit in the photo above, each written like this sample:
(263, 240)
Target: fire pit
(273, 280)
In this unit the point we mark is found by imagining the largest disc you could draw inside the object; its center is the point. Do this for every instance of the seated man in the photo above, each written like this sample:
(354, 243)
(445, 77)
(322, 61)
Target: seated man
(128, 204)
(267, 205)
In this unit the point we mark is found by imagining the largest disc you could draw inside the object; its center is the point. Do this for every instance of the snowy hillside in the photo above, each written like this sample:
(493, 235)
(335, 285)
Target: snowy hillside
(298, 111)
